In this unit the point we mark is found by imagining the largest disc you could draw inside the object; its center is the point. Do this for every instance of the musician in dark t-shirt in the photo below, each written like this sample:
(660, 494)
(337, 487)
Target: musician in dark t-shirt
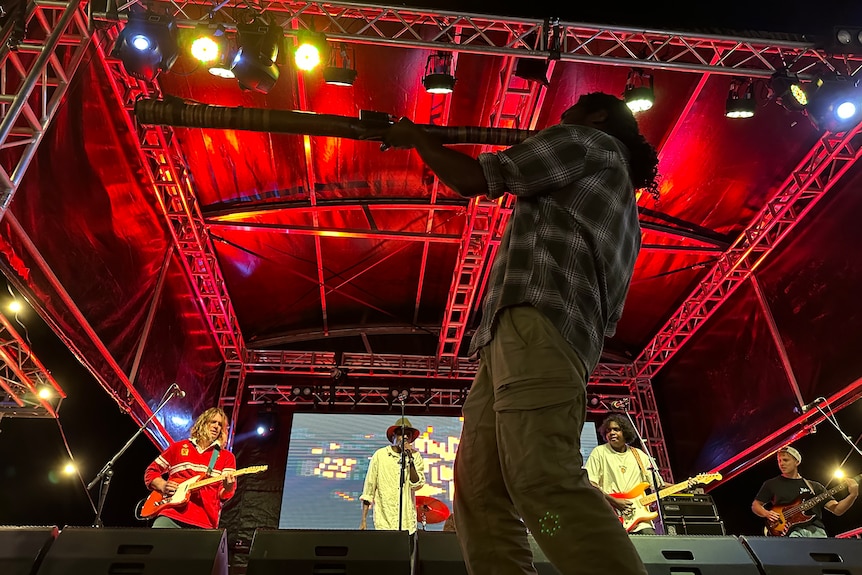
(790, 487)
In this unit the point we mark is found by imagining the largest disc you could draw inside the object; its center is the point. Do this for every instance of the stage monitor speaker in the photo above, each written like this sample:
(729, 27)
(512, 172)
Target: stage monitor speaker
(439, 553)
(333, 552)
(691, 555)
(22, 548)
(683, 526)
(806, 556)
(84, 550)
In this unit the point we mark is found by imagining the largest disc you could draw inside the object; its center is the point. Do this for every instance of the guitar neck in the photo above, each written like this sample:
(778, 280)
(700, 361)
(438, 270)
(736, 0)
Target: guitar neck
(218, 478)
(816, 500)
(652, 497)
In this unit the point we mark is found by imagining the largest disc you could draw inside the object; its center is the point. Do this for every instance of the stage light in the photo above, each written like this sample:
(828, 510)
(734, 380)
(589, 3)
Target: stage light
(839, 474)
(15, 306)
(311, 50)
(740, 99)
(70, 469)
(221, 66)
(845, 40)
(835, 104)
(209, 44)
(260, 46)
(46, 393)
(788, 91)
(639, 94)
(339, 71)
(267, 422)
(307, 391)
(438, 78)
(147, 45)
(532, 70)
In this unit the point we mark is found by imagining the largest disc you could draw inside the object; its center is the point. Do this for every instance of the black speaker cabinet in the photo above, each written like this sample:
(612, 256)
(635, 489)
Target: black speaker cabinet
(80, 550)
(22, 548)
(689, 506)
(440, 554)
(806, 556)
(683, 526)
(689, 555)
(314, 552)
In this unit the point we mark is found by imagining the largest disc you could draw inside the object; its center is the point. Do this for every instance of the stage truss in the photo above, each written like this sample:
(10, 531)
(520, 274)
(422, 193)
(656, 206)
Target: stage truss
(63, 30)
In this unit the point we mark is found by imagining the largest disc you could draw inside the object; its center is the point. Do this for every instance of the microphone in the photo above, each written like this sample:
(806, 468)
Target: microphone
(620, 403)
(809, 406)
(176, 390)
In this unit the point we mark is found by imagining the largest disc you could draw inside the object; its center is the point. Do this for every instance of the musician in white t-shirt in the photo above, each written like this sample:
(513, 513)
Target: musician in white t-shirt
(617, 467)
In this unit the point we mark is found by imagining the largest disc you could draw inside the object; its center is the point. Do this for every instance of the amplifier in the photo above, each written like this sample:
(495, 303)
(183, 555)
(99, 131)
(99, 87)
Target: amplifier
(690, 507)
(683, 526)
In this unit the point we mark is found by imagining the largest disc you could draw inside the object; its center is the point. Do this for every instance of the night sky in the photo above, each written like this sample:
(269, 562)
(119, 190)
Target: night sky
(32, 492)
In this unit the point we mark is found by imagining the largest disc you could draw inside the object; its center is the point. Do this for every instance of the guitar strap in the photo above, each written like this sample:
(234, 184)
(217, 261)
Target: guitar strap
(811, 487)
(641, 465)
(216, 449)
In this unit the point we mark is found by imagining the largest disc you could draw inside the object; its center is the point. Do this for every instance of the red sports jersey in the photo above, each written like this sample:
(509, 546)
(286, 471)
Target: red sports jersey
(184, 460)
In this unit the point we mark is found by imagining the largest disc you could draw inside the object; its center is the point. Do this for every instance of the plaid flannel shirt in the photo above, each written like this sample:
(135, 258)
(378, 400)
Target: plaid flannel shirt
(570, 246)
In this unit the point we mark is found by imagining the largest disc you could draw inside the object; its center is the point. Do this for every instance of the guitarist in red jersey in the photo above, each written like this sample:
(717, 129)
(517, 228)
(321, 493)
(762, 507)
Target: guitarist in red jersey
(200, 455)
(617, 467)
(785, 490)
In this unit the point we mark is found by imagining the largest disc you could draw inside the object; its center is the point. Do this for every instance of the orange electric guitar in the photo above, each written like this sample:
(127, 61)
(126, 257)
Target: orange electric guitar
(156, 502)
(794, 514)
(639, 510)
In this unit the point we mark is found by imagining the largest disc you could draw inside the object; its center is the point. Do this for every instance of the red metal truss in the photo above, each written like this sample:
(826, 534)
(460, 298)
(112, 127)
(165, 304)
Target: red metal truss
(649, 425)
(323, 396)
(824, 165)
(485, 34)
(23, 377)
(34, 77)
(322, 363)
(517, 106)
(164, 162)
(799, 427)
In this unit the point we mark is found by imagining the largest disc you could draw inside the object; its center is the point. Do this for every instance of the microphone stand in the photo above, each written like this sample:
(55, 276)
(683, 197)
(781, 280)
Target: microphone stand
(403, 466)
(653, 470)
(834, 421)
(107, 471)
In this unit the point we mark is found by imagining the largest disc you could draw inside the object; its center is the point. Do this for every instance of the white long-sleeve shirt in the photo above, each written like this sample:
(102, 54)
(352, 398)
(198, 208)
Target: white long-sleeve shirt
(381, 489)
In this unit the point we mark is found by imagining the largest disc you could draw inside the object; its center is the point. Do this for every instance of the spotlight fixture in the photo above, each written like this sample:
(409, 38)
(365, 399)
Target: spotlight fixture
(788, 91)
(221, 66)
(209, 43)
(438, 78)
(548, 39)
(339, 71)
(639, 94)
(835, 104)
(311, 50)
(740, 99)
(260, 46)
(267, 421)
(147, 45)
(532, 70)
(845, 40)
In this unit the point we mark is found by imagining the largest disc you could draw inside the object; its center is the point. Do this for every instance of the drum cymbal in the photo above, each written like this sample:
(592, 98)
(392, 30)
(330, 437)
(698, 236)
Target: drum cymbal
(434, 510)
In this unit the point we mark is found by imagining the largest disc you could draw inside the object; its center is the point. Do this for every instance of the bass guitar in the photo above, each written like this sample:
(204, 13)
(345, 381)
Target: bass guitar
(156, 502)
(795, 514)
(639, 511)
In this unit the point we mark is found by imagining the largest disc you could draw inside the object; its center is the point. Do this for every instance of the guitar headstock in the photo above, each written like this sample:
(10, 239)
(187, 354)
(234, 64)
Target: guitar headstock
(256, 468)
(704, 478)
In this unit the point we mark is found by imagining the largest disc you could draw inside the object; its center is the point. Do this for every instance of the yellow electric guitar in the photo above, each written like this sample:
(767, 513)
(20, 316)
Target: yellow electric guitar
(156, 502)
(639, 510)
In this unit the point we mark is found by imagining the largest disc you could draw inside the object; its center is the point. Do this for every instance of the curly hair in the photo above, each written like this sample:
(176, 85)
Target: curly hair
(622, 125)
(199, 429)
(624, 423)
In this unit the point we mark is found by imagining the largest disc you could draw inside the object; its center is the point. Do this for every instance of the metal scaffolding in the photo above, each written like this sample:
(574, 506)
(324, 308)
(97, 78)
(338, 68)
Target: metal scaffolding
(492, 35)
